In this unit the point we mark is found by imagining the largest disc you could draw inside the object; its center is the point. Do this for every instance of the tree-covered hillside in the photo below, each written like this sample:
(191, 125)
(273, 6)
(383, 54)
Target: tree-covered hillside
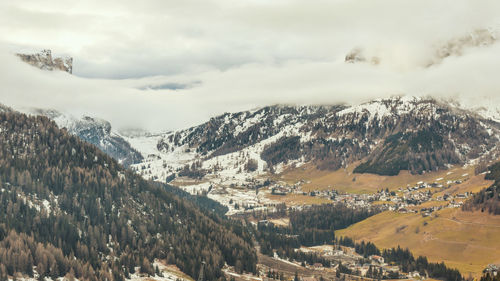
(416, 151)
(487, 199)
(69, 209)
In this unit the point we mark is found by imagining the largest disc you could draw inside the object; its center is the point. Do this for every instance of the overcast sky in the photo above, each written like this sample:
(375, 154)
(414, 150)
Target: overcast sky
(161, 64)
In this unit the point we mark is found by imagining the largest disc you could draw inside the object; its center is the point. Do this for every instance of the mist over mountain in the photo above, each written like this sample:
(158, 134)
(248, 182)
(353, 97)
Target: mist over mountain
(208, 71)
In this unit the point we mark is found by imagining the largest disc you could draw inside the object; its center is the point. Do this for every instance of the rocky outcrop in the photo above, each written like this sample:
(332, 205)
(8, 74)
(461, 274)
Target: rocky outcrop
(44, 60)
(357, 55)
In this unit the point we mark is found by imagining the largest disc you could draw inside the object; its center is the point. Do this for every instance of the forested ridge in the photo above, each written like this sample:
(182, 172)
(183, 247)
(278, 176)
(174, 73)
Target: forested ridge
(316, 226)
(423, 150)
(312, 226)
(409, 263)
(404, 259)
(69, 209)
(487, 199)
(418, 135)
(328, 217)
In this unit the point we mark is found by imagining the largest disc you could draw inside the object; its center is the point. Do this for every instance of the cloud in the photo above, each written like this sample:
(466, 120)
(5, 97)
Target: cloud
(125, 39)
(181, 62)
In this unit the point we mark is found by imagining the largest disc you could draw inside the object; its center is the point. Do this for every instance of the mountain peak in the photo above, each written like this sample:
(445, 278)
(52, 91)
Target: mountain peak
(44, 60)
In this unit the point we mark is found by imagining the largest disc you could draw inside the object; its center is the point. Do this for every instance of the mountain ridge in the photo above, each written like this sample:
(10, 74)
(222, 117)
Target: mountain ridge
(334, 136)
(96, 131)
(45, 61)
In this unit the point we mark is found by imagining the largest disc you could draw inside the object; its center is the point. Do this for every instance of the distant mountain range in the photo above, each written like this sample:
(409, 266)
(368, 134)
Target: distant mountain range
(385, 135)
(453, 47)
(69, 204)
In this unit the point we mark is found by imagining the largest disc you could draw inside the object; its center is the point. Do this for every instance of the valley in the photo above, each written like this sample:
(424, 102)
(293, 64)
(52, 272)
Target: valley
(274, 176)
(250, 140)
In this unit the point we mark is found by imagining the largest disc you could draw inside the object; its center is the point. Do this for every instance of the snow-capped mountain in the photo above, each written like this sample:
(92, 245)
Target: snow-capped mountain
(386, 135)
(96, 131)
(4, 108)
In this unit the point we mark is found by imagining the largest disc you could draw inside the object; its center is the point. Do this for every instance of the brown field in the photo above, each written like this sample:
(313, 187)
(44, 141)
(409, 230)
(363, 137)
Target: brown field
(184, 181)
(430, 204)
(289, 269)
(344, 180)
(281, 222)
(468, 241)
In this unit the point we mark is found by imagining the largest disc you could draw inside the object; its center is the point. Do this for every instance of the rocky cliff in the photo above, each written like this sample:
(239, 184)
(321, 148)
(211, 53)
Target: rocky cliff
(385, 136)
(44, 60)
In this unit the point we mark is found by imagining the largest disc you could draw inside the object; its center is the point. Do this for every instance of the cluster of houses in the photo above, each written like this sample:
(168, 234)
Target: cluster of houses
(360, 266)
(373, 263)
(281, 188)
(416, 194)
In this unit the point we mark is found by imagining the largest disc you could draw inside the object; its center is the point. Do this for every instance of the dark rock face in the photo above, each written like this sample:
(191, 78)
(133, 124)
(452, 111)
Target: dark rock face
(357, 55)
(44, 60)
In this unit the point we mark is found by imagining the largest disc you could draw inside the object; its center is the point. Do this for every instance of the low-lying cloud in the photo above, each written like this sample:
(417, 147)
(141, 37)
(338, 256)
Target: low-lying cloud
(181, 62)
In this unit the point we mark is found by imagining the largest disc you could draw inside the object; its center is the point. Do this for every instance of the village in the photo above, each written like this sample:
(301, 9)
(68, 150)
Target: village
(404, 200)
